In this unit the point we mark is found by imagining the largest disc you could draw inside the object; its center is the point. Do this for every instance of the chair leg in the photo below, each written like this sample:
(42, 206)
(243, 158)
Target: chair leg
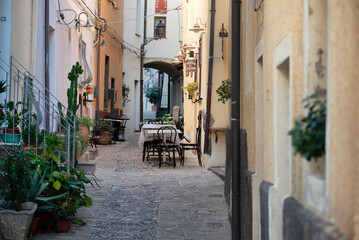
(159, 157)
(199, 156)
(183, 151)
(174, 158)
(144, 152)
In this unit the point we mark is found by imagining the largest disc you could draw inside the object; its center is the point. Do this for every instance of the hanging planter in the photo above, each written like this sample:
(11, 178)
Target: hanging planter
(191, 89)
(89, 89)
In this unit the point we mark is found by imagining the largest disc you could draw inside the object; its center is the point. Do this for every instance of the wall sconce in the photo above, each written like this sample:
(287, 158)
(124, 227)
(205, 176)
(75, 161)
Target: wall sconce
(176, 61)
(223, 32)
(78, 21)
(188, 46)
(196, 27)
(180, 55)
(103, 43)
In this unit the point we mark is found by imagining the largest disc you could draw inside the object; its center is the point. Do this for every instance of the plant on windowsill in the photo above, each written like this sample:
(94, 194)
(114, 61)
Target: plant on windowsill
(191, 89)
(125, 94)
(308, 133)
(224, 91)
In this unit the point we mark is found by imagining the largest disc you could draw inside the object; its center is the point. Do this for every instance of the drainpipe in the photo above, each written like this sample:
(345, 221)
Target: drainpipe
(210, 76)
(142, 56)
(47, 69)
(100, 31)
(235, 119)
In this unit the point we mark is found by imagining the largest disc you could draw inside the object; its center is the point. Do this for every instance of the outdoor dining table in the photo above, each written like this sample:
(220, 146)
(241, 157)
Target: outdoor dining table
(149, 133)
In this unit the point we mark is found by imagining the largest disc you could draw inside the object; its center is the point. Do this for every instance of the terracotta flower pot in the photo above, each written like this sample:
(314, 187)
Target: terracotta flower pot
(84, 131)
(63, 225)
(104, 139)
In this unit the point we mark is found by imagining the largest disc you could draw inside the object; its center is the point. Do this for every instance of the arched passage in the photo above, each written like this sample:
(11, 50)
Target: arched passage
(168, 78)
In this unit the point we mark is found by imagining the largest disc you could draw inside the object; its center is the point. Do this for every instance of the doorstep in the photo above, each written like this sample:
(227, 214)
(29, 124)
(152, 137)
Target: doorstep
(219, 171)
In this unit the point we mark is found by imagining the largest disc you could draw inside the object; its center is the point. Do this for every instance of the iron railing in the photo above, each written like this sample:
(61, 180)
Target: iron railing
(38, 112)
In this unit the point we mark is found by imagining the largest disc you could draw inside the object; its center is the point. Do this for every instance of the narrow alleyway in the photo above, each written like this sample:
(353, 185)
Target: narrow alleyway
(138, 201)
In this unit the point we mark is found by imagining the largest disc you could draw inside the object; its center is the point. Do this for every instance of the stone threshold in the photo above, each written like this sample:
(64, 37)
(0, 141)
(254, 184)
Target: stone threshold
(219, 171)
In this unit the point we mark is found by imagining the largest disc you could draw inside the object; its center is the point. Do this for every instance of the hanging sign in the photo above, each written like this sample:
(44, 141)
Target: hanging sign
(191, 65)
(161, 6)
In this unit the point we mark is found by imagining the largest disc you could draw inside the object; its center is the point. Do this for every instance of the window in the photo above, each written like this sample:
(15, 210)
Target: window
(159, 20)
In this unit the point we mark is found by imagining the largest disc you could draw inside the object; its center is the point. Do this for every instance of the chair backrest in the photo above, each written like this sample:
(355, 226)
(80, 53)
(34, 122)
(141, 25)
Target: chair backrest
(167, 132)
(123, 123)
(198, 135)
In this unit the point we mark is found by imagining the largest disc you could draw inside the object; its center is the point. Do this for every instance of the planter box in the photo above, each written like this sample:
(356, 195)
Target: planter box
(15, 224)
(10, 138)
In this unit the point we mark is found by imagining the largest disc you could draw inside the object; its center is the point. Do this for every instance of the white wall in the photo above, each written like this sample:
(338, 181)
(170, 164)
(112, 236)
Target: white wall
(131, 63)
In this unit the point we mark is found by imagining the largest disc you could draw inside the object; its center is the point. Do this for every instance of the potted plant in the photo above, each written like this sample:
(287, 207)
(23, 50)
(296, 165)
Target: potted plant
(84, 127)
(224, 91)
(15, 211)
(153, 94)
(73, 184)
(12, 119)
(103, 129)
(191, 89)
(308, 133)
(89, 89)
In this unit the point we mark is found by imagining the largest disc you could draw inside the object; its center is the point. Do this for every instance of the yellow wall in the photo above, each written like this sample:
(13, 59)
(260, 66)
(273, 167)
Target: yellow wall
(114, 51)
(220, 113)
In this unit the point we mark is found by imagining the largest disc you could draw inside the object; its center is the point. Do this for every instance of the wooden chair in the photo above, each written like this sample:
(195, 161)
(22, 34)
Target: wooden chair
(192, 146)
(167, 142)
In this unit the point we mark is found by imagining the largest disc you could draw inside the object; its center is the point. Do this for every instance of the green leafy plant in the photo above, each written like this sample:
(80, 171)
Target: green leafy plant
(191, 89)
(224, 91)
(167, 118)
(73, 184)
(53, 148)
(308, 133)
(125, 94)
(12, 117)
(2, 86)
(17, 174)
(31, 131)
(101, 126)
(86, 121)
(153, 94)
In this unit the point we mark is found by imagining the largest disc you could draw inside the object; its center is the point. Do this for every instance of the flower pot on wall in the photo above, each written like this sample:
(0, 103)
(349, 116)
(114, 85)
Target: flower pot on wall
(15, 224)
(9, 137)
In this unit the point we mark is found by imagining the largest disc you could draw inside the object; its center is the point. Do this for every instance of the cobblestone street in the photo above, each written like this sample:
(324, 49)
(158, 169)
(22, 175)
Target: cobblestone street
(138, 201)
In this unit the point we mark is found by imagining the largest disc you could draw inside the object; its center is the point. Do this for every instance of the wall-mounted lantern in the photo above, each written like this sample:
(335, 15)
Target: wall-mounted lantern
(196, 27)
(78, 21)
(160, 29)
(103, 43)
(223, 32)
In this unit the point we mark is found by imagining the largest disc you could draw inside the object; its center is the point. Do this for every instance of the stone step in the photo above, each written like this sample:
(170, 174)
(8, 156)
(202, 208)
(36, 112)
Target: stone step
(93, 153)
(84, 157)
(87, 166)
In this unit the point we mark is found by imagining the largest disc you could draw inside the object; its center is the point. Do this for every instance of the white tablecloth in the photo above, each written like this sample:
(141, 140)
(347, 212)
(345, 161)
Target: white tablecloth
(149, 132)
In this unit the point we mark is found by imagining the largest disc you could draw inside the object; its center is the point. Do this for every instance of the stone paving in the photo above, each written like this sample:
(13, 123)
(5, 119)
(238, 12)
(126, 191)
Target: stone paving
(138, 201)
